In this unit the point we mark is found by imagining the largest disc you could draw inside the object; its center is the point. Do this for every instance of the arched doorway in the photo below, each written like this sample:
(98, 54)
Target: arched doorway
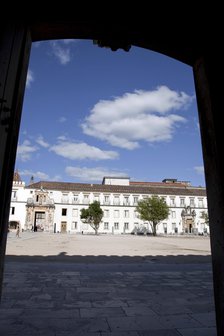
(15, 43)
(13, 225)
(188, 219)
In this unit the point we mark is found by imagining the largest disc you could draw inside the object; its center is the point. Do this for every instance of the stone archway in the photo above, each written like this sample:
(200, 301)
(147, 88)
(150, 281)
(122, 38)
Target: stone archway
(188, 220)
(196, 48)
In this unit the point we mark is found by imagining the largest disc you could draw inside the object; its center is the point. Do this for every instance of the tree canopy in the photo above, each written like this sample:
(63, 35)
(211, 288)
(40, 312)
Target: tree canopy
(153, 209)
(92, 215)
(204, 215)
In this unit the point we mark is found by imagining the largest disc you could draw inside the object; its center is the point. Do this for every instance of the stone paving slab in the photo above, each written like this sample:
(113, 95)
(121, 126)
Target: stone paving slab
(41, 304)
(47, 244)
(57, 296)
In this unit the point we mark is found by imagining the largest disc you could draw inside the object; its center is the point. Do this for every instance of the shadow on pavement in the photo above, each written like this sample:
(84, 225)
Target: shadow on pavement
(113, 259)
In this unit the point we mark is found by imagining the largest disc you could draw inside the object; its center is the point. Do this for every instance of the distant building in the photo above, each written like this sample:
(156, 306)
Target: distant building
(55, 206)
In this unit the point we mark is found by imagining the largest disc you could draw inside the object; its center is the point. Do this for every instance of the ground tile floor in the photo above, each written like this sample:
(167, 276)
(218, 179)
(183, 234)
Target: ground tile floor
(57, 285)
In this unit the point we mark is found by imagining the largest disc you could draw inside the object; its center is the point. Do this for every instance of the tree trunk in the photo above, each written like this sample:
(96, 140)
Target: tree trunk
(154, 229)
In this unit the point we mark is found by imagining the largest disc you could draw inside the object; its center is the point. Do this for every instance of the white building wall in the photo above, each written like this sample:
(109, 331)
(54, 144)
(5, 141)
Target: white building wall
(19, 212)
(18, 203)
(118, 206)
(116, 181)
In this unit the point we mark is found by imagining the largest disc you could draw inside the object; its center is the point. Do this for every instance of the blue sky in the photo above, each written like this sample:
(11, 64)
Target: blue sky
(89, 112)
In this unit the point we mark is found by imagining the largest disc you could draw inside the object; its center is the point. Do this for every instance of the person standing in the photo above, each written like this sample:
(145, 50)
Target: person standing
(17, 231)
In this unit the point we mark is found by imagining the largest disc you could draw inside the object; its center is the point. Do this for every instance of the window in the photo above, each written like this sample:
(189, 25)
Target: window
(200, 203)
(116, 226)
(106, 199)
(14, 194)
(165, 227)
(13, 211)
(182, 202)
(106, 213)
(135, 200)
(75, 199)
(202, 213)
(64, 212)
(106, 226)
(86, 199)
(74, 212)
(126, 213)
(37, 198)
(172, 201)
(116, 214)
(74, 226)
(173, 214)
(126, 200)
(64, 198)
(116, 200)
(192, 202)
(126, 226)
(96, 198)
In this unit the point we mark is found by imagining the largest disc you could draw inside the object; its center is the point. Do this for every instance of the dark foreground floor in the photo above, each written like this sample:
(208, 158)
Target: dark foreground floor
(111, 297)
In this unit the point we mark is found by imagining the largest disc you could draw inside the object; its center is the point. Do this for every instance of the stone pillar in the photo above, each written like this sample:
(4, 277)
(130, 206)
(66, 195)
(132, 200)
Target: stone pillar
(207, 70)
(15, 44)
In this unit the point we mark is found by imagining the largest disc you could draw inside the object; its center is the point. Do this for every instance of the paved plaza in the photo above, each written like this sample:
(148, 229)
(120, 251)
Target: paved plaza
(107, 285)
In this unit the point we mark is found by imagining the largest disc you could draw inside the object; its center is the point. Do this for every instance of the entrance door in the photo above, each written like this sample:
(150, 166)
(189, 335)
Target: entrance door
(39, 222)
(63, 227)
(189, 225)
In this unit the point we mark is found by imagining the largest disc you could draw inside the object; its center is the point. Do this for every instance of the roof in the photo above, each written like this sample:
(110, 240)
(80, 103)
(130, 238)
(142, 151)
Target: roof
(16, 177)
(158, 189)
(160, 184)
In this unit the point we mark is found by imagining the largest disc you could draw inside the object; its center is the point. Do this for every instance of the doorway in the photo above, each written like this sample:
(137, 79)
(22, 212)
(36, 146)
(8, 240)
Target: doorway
(39, 221)
(63, 227)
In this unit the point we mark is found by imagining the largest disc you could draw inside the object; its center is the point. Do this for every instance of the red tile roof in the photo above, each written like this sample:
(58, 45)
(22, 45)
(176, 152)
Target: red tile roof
(145, 188)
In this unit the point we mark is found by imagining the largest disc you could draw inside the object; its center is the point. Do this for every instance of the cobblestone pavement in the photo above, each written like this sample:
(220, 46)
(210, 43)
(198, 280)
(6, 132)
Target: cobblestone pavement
(108, 295)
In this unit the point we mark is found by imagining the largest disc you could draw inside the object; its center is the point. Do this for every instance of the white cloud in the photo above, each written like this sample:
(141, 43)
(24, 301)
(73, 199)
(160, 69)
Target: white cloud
(62, 54)
(81, 151)
(37, 175)
(139, 116)
(40, 140)
(199, 170)
(29, 78)
(25, 150)
(62, 119)
(56, 178)
(61, 138)
(92, 174)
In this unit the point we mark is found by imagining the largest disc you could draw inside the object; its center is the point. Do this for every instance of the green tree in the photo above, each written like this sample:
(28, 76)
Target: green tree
(204, 215)
(92, 215)
(153, 209)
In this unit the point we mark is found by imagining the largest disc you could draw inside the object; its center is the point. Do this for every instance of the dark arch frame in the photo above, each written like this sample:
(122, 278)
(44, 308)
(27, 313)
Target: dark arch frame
(196, 48)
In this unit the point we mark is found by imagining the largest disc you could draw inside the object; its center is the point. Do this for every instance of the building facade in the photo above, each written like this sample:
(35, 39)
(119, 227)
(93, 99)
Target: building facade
(56, 206)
